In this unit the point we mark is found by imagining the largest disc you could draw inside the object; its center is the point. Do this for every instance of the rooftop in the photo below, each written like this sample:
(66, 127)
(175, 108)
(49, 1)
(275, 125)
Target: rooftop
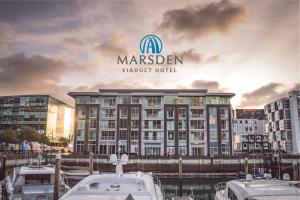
(202, 92)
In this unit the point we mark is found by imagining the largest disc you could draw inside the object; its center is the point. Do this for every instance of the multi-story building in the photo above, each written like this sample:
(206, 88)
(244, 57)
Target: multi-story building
(42, 112)
(153, 122)
(283, 123)
(248, 131)
(249, 136)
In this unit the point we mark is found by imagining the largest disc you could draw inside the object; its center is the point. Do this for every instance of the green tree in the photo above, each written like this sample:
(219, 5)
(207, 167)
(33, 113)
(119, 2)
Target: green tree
(64, 141)
(9, 136)
(30, 135)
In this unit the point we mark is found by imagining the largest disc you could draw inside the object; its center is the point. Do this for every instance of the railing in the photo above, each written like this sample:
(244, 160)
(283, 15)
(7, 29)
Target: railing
(219, 187)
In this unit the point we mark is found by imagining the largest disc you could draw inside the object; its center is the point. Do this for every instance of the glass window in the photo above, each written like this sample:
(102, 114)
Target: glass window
(197, 124)
(123, 123)
(109, 101)
(170, 124)
(197, 101)
(182, 112)
(135, 112)
(123, 112)
(197, 113)
(182, 135)
(171, 135)
(135, 124)
(170, 112)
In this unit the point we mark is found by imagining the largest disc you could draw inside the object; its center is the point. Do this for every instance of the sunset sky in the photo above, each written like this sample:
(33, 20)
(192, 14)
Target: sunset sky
(250, 48)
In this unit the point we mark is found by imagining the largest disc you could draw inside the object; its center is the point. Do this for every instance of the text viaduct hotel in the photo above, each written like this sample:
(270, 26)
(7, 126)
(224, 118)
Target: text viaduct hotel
(153, 122)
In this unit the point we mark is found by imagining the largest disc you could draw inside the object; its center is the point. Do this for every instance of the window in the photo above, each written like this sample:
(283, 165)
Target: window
(135, 100)
(170, 112)
(93, 123)
(153, 101)
(152, 151)
(123, 135)
(92, 135)
(135, 124)
(152, 135)
(182, 112)
(135, 112)
(123, 123)
(108, 113)
(197, 124)
(153, 113)
(224, 112)
(197, 101)
(224, 124)
(156, 124)
(93, 99)
(198, 135)
(182, 135)
(109, 101)
(197, 113)
(107, 135)
(171, 135)
(231, 194)
(81, 113)
(197, 151)
(93, 112)
(134, 135)
(123, 112)
(181, 124)
(170, 124)
(111, 124)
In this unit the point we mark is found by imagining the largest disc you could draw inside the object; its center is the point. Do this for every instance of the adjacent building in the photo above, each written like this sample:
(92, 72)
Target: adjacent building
(153, 122)
(249, 136)
(42, 112)
(283, 123)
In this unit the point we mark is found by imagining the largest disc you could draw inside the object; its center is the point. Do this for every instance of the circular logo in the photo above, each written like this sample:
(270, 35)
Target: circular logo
(151, 44)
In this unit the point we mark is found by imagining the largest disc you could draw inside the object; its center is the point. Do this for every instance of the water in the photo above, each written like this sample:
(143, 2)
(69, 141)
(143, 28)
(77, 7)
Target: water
(198, 188)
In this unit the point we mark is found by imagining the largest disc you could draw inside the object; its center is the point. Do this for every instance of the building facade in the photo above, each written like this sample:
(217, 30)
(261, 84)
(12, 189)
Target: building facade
(42, 112)
(249, 136)
(153, 122)
(283, 123)
(258, 114)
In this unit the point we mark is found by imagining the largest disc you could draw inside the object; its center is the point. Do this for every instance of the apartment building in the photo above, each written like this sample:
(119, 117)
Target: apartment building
(283, 123)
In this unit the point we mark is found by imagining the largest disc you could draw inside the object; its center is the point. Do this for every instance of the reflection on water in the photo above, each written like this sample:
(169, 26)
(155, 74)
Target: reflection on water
(198, 188)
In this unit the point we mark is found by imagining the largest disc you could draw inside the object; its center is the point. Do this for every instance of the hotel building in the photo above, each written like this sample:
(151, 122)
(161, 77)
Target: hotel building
(153, 122)
(42, 112)
(283, 123)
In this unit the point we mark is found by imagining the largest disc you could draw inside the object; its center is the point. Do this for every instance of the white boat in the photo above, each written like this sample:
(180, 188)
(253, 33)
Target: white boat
(257, 189)
(32, 182)
(116, 186)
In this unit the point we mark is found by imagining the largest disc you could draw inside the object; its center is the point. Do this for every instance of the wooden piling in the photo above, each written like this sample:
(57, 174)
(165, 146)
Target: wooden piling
(295, 170)
(57, 177)
(246, 166)
(3, 164)
(180, 175)
(91, 164)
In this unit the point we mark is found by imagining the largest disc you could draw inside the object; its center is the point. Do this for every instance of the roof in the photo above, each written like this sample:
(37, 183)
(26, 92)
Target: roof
(35, 170)
(183, 92)
(259, 188)
(109, 186)
(38, 95)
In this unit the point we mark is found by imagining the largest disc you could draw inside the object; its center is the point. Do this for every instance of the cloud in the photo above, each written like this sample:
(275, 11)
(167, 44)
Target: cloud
(113, 46)
(211, 86)
(38, 74)
(72, 43)
(193, 22)
(190, 55)
(266, 94)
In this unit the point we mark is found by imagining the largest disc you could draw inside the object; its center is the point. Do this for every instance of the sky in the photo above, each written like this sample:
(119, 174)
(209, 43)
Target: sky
(250, 48)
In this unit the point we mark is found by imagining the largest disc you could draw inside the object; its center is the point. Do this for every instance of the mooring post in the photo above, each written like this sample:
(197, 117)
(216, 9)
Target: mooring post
(295, 170)
(246, 166)
(91, 163)
(3, 167)
(57, 177)
(180, 175)
(211, 159)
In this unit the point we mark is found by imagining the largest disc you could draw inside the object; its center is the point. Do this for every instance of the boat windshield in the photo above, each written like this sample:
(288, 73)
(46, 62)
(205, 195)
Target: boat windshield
(37, 179)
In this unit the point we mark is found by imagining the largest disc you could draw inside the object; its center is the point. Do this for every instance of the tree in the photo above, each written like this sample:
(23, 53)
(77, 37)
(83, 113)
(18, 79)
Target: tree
(30, 135)
(9, 136)
(64, 141)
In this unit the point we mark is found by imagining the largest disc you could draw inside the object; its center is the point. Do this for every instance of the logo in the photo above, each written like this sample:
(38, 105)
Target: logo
(151, 44)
